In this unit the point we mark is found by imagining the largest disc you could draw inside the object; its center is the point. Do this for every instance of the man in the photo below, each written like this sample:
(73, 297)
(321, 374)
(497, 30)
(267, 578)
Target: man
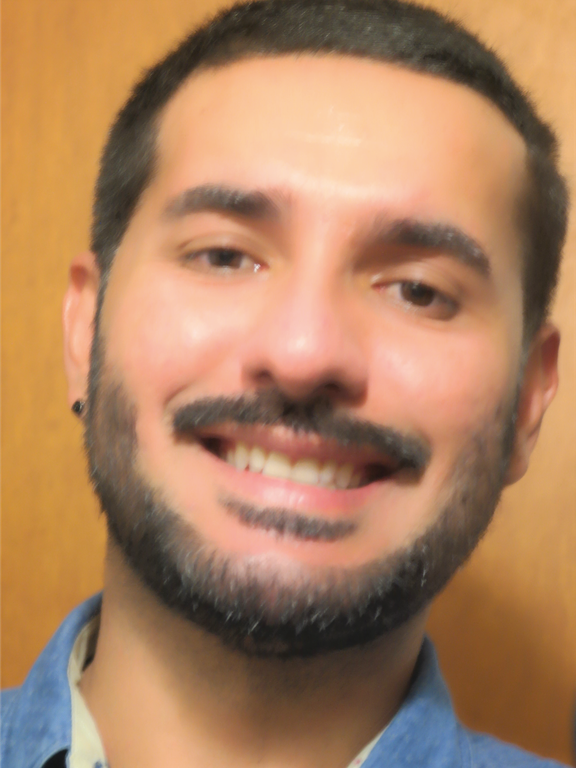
(310, 346)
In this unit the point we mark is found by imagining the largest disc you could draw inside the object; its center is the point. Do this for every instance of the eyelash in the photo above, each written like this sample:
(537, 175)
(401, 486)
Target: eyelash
(421, 296)
(414, 295)
(227, 253)
(417, 297)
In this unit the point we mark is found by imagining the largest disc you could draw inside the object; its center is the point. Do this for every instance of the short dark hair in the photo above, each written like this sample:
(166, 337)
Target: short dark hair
(390, 31)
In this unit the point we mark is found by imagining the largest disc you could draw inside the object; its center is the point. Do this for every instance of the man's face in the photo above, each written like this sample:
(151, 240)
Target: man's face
(334, 240)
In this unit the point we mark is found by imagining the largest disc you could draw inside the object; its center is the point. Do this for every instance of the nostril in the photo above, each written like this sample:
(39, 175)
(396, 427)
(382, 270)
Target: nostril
(264, 379)
(303, 391)
(331, 387)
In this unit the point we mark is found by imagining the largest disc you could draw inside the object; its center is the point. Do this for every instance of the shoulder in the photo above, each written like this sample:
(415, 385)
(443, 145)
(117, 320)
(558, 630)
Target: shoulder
(36, 717)
(14, 712)
(8, 701)
(485, 751)
(425, 731)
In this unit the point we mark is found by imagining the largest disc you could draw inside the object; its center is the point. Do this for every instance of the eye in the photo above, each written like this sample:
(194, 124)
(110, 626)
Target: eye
(422, 296)
(419, 294)
(416, 296)
(224, 260)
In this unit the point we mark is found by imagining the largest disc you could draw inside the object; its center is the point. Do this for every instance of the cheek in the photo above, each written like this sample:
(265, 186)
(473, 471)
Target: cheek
(445, 388)
(168, 334)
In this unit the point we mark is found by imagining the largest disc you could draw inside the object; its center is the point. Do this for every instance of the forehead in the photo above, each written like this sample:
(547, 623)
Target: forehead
(334, 131)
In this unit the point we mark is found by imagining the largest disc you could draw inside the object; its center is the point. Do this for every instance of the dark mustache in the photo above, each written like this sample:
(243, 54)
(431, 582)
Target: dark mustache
(316, 416)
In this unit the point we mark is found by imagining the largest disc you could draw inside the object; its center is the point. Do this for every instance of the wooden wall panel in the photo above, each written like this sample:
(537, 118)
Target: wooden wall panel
(506, 627)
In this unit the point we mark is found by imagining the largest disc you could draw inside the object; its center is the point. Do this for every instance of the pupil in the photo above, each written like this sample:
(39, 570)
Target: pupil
(417, 293)
(224, 258)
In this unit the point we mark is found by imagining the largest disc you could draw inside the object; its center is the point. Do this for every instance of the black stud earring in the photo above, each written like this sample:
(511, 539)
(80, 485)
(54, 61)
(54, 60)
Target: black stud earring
(78, 406)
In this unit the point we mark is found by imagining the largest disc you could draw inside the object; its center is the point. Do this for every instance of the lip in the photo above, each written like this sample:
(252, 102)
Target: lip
(266, 491)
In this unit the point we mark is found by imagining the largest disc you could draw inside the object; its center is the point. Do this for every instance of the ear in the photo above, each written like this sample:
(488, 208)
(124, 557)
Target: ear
(78, 312)
(539, 386)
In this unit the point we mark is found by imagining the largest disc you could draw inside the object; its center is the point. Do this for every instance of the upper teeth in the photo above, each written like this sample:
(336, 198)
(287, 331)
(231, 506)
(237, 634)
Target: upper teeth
(310, 471)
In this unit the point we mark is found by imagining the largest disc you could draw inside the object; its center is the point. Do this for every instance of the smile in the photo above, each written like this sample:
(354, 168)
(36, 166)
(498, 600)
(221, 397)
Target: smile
(299, 466)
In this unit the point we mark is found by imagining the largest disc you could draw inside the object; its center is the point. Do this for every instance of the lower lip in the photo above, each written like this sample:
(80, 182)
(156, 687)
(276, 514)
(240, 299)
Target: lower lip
(267, 491)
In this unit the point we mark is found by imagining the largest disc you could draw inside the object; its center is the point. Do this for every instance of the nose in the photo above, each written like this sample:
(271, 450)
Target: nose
(308, 341)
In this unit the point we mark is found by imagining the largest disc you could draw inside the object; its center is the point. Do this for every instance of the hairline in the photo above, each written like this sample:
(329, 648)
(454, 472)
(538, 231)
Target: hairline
(153, 130)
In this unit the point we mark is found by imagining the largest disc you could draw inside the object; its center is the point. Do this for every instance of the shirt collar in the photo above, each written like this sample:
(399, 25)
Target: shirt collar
(423, 732)
(40, 720)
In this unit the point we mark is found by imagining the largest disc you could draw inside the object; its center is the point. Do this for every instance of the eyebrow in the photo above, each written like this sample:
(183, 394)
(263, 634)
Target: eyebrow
(435, 236)
(261, 206)
(222, 199)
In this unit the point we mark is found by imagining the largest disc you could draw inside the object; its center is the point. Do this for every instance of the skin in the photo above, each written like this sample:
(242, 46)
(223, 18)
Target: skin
(362, 143)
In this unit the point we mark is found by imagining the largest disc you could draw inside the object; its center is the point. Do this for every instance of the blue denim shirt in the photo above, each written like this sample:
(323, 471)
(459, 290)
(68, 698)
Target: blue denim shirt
(36, 718)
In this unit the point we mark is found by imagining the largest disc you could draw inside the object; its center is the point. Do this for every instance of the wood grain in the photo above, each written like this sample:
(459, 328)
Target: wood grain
(506, 627)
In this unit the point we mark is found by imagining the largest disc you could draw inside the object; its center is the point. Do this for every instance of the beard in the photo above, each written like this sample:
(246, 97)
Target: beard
(254, 605)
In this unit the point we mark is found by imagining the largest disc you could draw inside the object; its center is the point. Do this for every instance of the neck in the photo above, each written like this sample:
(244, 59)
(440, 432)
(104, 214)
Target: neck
(163, 691)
